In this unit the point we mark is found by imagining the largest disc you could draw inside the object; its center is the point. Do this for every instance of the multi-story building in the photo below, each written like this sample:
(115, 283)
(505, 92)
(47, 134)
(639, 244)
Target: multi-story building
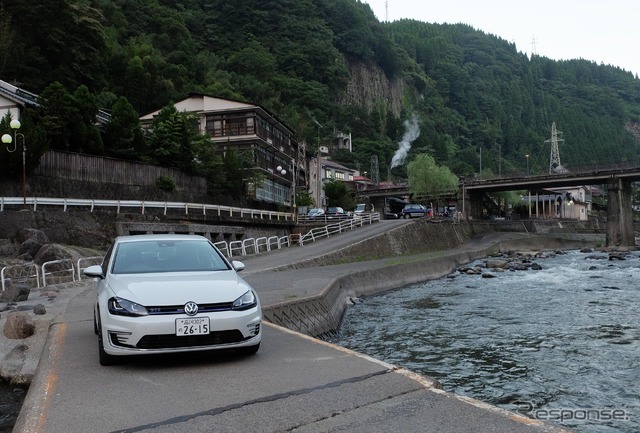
(323, 170)
(244, 126)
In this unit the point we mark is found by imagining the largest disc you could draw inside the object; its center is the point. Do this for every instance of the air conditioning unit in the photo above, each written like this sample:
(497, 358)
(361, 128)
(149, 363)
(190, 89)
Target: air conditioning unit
(324, 149)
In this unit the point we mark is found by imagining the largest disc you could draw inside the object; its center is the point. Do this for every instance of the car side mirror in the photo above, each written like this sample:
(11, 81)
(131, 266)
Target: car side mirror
(94, 271)
(237, 265)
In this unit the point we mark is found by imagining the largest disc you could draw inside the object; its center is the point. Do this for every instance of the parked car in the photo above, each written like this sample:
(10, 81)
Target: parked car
(360, 208)
(334, 212)
(315, 212)
(414, 211)
(171, 293)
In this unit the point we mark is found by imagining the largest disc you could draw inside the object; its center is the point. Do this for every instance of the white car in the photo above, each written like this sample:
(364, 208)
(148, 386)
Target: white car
(172, 293)
(315, 212)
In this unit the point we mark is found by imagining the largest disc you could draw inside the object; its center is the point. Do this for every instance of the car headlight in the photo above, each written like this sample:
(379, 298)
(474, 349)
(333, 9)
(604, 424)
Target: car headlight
(123, 307)
(246, 301)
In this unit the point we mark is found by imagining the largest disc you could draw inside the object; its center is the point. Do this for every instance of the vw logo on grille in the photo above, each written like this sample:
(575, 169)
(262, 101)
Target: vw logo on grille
(191, 308)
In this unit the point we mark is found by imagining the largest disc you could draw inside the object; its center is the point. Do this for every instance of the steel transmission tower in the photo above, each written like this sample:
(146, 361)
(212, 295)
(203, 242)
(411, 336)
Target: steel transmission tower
(375, 170)
(554, 161)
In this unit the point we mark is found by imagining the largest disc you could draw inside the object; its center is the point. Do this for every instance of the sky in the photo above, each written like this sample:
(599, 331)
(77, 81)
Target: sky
(603, 31)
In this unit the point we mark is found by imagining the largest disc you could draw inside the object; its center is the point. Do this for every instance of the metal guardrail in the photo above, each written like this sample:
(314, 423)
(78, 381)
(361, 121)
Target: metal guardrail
(142, 205)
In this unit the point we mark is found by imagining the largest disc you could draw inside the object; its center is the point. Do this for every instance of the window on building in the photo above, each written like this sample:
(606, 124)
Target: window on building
(339, 175)
(225, 125)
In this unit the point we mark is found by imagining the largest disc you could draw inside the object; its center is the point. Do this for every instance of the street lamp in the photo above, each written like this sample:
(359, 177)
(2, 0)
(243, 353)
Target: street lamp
(527, 156)
(7, 139)
(283, 172)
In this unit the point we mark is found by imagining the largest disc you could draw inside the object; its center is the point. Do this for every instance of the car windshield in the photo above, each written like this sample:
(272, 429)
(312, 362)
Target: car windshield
(166, 256)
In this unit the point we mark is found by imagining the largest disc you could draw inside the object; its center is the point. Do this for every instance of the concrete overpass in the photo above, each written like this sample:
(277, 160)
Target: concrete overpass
(618, 179)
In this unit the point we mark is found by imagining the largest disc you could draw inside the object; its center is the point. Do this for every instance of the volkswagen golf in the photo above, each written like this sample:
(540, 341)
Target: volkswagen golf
(171, 293)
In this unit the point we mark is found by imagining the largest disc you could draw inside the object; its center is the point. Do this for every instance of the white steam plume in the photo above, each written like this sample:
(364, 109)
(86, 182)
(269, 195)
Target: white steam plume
(412, 131)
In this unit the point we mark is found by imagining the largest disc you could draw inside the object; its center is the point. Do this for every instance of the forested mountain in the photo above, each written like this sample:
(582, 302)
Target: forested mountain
(325, 62)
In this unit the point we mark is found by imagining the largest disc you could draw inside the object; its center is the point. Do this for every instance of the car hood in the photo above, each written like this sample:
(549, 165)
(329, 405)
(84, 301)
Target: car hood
(166, 289)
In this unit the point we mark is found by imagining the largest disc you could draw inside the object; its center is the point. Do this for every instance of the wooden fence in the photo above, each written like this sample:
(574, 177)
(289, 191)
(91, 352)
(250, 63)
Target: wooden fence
(75, 166)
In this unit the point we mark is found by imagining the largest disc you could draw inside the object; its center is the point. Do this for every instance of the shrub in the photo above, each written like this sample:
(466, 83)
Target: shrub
(166, 183)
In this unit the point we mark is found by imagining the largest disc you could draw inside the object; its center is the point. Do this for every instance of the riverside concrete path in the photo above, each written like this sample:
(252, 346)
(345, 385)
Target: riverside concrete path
(293, 384)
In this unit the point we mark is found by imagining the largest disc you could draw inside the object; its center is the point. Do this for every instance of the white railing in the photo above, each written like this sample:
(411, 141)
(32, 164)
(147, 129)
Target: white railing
(61, 263)
(199, 208)
(20, 273)
(223, 246)
(327, 219)
(337, 227)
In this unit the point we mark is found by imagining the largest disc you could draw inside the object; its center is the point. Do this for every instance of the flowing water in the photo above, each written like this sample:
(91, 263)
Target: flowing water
(11, 398)
(560, 344)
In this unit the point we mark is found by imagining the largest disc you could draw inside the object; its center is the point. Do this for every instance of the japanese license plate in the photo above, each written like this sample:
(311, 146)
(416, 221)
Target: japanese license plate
(192, 326)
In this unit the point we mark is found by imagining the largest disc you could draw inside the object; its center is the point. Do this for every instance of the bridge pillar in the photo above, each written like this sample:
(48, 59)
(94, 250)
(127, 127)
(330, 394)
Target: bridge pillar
(620, 231)
(475, 209)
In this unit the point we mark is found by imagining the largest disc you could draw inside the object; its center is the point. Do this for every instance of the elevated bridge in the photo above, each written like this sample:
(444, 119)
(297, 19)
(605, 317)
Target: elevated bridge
(618, 179)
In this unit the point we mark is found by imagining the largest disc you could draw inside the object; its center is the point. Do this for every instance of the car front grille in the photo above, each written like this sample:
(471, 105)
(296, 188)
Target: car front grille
(171, 341)
(179, 309)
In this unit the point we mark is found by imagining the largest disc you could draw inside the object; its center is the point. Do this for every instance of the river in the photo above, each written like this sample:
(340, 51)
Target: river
(11, 399)
(559, 344)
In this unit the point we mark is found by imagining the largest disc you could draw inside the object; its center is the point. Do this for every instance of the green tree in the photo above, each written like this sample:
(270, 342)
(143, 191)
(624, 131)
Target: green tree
(124, 137)
(170, 140)
(428, 180)
(240, 177)
(86, 135)
(59, 114)
(43, 48)
(208, 163)
(338, 195)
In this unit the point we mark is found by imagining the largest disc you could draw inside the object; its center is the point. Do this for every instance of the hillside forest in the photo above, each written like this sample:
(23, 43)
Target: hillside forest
(321, 66)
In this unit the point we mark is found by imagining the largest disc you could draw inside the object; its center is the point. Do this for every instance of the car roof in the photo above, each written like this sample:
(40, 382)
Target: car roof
(159, 237)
